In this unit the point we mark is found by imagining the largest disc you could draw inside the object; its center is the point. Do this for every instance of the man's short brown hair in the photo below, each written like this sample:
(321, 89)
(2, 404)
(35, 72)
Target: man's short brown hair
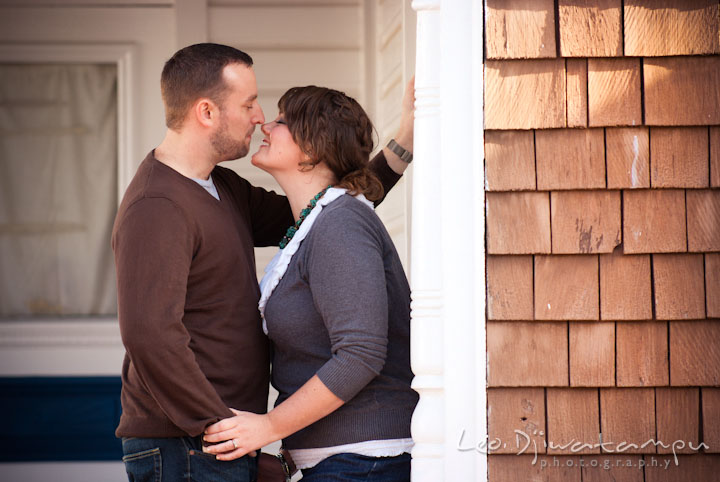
(194, 72)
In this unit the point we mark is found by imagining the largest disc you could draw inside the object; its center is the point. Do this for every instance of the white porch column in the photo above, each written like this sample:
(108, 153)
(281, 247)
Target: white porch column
(427, 346)
(447, 259)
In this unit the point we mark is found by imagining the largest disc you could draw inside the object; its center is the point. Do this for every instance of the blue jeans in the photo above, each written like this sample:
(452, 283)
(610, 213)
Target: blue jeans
(350, 467)
(181, 459)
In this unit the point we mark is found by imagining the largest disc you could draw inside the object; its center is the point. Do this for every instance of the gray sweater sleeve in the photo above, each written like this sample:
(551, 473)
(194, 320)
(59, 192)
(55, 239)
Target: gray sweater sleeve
(347, 279)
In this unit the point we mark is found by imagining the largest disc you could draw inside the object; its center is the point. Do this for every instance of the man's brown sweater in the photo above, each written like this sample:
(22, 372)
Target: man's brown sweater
(187, 297)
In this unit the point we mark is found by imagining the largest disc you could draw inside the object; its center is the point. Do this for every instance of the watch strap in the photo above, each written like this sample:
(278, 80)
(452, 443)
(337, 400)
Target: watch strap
(403, 154)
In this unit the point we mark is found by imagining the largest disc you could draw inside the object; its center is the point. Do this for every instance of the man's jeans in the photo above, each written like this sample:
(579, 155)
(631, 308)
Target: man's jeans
(181, 459)
(351, 467)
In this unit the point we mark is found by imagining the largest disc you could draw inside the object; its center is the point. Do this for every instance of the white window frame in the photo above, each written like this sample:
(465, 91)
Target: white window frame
(73, 346)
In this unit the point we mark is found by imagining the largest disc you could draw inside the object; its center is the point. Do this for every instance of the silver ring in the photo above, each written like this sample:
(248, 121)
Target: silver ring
(234, 444)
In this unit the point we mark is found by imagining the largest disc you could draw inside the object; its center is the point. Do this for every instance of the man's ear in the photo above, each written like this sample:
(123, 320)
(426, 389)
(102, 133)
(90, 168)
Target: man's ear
(206, 112)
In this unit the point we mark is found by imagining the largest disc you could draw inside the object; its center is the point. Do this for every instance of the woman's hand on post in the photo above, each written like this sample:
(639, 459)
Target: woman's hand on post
(405, 134)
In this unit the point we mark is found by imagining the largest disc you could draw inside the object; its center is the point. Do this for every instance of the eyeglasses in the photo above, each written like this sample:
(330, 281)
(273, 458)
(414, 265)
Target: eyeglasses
(272, 123)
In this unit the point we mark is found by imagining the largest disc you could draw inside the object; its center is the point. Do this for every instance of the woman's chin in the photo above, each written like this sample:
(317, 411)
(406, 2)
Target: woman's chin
(255, 161)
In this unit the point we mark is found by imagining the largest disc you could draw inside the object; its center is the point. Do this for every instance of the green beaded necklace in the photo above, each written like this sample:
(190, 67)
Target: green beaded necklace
(303, 214)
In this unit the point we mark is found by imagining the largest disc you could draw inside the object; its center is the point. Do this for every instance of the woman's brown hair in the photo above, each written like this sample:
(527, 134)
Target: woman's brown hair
(331, 127)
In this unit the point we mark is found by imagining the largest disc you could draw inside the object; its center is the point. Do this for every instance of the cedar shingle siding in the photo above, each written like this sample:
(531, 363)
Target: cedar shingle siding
(602, 146)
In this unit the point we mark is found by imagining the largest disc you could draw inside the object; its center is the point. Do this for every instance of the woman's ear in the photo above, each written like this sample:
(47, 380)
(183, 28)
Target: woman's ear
(307, 163)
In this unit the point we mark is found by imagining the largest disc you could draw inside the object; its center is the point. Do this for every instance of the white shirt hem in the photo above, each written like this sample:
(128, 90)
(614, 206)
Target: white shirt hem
(308, 458)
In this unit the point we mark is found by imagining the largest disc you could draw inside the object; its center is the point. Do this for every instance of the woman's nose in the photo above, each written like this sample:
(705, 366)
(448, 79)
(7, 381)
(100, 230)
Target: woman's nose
(265, 128)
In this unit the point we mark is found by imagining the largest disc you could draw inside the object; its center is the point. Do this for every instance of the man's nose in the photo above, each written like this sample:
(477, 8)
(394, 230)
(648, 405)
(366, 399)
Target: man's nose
(259, 116)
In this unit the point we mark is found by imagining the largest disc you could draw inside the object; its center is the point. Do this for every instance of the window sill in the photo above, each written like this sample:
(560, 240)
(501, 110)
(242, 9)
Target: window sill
(64, 346)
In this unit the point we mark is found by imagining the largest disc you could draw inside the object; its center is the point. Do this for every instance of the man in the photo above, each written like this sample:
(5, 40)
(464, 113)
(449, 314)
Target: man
(187, 291)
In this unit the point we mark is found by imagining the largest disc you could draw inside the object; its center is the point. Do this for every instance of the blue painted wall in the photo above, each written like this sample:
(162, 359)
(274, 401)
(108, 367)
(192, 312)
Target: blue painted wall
(59, 419)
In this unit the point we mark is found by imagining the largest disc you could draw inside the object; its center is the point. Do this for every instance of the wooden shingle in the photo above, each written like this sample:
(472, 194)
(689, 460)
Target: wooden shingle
(577, 92)
(527, 354)
(622, 468)
(695, 353)
(703, 219)
(682, 91)
(592, 354)
(642, 354)
(590, 28)
(614, 92)
(711, 421)
(679, 286)
(511, 409)
(677, 411)
(715, 156)
(584, 221)
(525, 467)
(510, 160)
(679, 157)
(570, 159)
(671, 27)
(517, 29)
(510, 287)
(524, 94)
(627, 416)
(573, 421)
(518, 222)
(712, 284)
(566, 287)
(628, 157)
(689, 468)
(625, 291)
(654, 221)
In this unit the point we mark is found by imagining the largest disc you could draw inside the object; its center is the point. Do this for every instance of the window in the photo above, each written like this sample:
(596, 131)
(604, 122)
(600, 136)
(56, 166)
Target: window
(58, 179)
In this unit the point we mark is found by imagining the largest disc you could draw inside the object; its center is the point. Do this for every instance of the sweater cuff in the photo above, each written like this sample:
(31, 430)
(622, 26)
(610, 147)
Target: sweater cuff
(384, 173)
(345, 378)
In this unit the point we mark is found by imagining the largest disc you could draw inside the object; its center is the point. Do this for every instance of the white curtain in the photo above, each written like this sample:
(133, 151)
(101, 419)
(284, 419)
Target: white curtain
(58, 189)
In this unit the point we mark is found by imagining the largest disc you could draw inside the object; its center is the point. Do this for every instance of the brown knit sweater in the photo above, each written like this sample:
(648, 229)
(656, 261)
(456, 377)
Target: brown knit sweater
(187, 297)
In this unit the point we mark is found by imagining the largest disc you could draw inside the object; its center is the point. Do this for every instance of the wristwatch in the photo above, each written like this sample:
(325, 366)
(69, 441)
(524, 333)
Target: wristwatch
(403, 154)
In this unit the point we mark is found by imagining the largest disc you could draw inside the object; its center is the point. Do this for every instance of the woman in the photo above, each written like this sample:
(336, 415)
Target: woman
(335, 303)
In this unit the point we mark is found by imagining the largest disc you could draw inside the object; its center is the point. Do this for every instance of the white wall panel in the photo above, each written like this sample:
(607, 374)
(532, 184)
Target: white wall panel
(280, 3)
(389, 19)
(391, 75)
(278, 70)
(287, 27)
(390, 92)
(85, 3)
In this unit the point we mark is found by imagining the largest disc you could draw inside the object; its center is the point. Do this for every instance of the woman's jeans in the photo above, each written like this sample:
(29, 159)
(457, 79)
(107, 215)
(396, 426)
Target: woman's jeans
(180, 459)
(351, 467)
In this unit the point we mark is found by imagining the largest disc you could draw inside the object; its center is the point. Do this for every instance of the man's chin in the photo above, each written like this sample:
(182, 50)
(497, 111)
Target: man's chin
(234, 156)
